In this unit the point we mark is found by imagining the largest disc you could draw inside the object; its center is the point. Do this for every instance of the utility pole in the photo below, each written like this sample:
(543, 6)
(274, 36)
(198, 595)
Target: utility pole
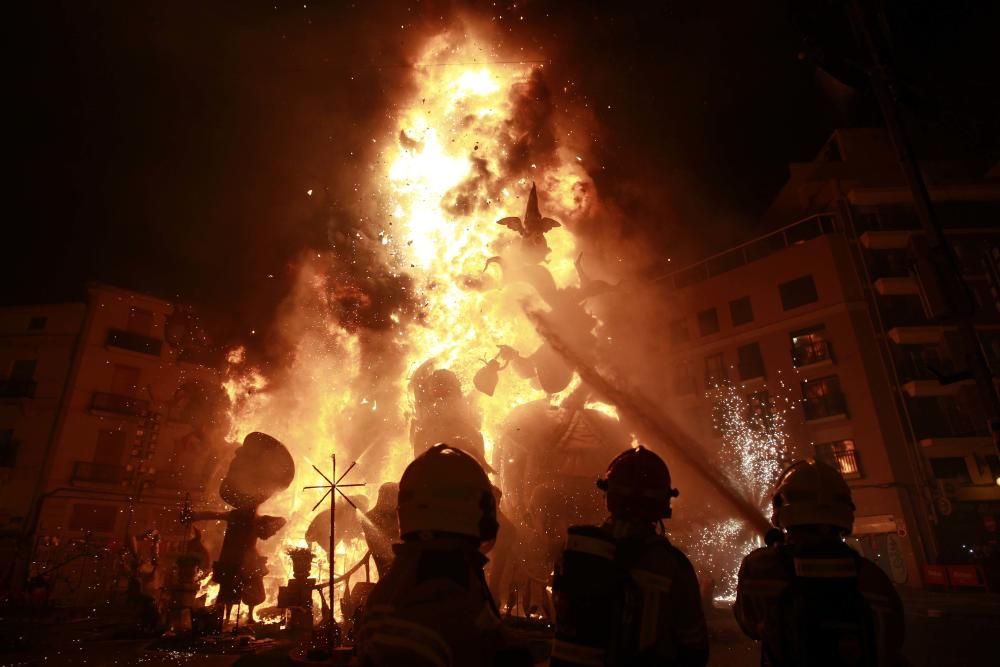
(945, 268)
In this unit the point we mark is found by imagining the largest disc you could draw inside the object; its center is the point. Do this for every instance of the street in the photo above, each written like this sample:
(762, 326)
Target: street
(942, 630)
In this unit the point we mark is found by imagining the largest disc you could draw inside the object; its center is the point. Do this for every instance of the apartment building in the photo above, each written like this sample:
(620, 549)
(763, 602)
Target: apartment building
(831, 310)
(106, 425)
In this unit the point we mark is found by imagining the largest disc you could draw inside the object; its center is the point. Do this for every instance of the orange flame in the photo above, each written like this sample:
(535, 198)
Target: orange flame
(455, 126)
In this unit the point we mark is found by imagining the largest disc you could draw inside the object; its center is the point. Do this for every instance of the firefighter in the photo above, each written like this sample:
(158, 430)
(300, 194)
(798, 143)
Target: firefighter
(624, 595)
(433, 607)
(811, 599)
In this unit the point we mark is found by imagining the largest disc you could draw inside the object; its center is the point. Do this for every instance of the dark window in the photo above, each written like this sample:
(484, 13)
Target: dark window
(140, 321)
(37, 323)
(810, 346)
(134, 342)
(842, 455)
(8, 449)
(684, 382)
(708, 322)
(23, 369)
(741, 311)
(20, 383)
(125, 380)
(679, 331)
(110, 447)
(951, 467)
(97, 518)
(798, 292)
(822, 398)
(715, 369)
(751, 363)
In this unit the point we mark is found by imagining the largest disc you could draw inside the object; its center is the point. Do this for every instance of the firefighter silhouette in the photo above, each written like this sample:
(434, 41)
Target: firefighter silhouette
(808, 597)
(624, 595)
(433, 606)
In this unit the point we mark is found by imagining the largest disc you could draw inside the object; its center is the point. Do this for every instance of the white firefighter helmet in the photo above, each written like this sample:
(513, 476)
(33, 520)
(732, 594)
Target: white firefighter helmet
(812, 493)
(445, 490)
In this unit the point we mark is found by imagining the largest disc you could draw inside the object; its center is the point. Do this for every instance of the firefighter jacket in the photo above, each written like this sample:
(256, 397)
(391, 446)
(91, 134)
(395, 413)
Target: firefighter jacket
(787, 593)
(625, 596)
(432, 609)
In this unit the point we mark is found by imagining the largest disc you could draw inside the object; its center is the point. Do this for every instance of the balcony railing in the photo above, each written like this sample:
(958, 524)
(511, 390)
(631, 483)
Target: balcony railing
(122, 405)
(17, 388)
(820, 407)
(798, 232)
(129, 340)
(98, 473)
(804, 354)
(846, 461)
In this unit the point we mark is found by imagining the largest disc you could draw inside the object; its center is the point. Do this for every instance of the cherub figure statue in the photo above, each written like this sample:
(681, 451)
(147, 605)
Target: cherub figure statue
(260, 468)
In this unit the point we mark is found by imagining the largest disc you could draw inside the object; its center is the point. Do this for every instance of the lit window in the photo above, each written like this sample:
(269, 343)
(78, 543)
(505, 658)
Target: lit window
(810, 346)
(822, 398)
(842, 455)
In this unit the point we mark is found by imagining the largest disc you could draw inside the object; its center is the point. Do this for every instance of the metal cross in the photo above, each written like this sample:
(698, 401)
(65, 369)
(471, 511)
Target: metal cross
(330, 487)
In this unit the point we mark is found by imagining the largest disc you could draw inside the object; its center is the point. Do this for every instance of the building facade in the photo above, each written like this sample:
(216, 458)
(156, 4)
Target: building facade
(830, 311)
(112, 428)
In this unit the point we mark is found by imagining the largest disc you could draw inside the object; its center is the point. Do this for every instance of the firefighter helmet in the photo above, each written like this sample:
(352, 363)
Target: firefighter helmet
(445, 490)
(638, 486)
(812, 493)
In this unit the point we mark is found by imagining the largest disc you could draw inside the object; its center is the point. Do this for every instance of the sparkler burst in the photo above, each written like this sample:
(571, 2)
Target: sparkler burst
(753, 453)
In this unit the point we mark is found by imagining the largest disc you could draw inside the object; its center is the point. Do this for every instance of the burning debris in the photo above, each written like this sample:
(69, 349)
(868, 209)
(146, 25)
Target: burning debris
(260, 468)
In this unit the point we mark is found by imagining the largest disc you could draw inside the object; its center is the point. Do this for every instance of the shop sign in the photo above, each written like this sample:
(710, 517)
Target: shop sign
(935, 575)
(965, 575)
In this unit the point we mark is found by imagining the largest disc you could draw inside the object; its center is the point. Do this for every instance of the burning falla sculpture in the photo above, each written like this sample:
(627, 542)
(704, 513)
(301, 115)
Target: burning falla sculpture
(260, 468)
(522, 262)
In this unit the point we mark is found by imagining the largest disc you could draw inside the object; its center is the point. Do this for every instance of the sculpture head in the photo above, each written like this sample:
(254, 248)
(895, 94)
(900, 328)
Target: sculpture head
(260, 468)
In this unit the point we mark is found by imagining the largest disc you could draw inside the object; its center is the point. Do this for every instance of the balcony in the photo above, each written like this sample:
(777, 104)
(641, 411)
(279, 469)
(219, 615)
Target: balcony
(809, 353)
(17, 388)
(846, 461)
(958, 446)
(824, 407)
(930, 334)
(886, 240)
(134, 342)
(119, 405)
(897, 286)
(98, 473)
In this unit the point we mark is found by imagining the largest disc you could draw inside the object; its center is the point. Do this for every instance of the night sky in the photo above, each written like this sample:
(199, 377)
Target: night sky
(167, 146)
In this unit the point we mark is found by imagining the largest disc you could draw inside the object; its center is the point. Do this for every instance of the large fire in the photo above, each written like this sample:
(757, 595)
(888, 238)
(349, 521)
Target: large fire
(440, 194)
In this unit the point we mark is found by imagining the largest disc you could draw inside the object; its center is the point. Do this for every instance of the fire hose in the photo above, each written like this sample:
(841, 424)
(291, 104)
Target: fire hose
(653, 423)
